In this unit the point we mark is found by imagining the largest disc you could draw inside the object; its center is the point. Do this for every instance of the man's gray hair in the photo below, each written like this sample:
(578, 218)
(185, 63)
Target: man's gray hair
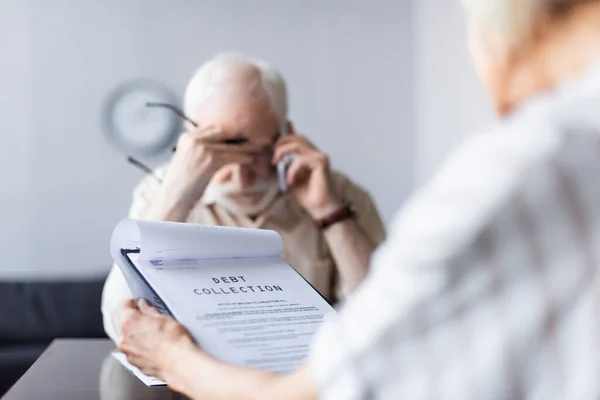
(513, 19)
(208, 79)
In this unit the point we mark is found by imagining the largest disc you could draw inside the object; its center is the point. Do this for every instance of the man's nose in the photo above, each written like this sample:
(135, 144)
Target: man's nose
(245, 175)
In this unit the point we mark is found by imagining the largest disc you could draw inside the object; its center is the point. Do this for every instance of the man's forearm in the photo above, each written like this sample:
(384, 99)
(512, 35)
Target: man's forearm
(199, 376)
(351, 250)
(166, 209)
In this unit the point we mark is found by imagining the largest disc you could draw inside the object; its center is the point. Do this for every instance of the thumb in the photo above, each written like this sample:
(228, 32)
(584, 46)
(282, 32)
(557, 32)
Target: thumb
(147, 309)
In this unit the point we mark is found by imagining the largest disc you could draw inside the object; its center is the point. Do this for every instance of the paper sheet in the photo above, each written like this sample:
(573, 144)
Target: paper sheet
(148, 380)
(229, 287)
(169, 242)
(256, 312)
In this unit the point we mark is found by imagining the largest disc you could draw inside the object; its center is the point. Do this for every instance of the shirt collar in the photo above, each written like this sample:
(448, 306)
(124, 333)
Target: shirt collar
(283, 213)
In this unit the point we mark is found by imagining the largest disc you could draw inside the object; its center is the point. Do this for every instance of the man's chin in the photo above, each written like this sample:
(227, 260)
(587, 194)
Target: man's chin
(249, 210)
(249, 201)
(249, 204)
(240, 207)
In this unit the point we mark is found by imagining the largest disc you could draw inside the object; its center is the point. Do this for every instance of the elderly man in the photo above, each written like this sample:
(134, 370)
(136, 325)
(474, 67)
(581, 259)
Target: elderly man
(324, 219)
(489, 287)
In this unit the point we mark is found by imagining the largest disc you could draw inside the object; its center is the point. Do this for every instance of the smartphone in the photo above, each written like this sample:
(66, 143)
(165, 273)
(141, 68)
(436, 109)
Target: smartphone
(283, 165)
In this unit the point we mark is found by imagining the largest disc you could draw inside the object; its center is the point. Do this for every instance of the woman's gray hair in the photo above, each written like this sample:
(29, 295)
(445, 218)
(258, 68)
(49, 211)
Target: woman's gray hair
(513, 19)
(207, 80)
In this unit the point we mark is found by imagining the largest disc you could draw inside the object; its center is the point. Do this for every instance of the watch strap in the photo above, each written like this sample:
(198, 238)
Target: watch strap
(341, 214)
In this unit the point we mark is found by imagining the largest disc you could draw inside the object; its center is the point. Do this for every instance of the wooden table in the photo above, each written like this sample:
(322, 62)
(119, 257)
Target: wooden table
(82, 369)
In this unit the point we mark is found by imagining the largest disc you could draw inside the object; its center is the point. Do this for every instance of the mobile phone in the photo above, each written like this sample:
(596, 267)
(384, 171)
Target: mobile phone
(283, 165)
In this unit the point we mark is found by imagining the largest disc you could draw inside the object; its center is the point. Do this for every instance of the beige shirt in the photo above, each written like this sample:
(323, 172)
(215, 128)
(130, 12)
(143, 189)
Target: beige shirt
(305, 246)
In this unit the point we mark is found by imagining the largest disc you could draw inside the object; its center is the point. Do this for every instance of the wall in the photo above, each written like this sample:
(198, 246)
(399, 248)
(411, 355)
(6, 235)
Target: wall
(449, 101)
(348, 63)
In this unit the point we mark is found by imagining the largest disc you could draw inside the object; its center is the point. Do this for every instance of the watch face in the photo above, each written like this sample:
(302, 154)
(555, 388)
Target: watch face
(135, 129)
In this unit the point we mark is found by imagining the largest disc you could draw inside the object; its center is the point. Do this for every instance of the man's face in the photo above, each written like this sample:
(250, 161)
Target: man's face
(247, 189)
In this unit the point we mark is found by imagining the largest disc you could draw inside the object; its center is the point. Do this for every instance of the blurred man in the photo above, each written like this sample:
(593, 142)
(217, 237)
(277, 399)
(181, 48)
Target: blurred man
(489, 287)
(223, 173)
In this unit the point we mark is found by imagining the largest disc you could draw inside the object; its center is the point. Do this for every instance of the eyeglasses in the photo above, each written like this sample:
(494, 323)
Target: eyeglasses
(172, 108)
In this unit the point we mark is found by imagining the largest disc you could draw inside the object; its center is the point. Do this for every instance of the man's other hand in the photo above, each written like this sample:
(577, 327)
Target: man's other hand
(198, 156)
(309, 175)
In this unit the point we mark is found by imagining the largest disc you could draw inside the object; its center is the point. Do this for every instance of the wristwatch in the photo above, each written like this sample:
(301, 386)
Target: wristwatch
(341, 214)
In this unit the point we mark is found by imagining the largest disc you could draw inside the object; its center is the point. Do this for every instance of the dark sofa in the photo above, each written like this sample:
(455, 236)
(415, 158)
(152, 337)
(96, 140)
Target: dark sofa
(32, 314)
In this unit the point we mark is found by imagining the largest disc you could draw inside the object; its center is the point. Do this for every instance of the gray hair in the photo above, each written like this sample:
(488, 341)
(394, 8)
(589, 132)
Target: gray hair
(207, 80)
(513, 19)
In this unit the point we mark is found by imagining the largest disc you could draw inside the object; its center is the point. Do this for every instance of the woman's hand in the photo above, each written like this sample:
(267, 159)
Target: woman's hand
(161, 347)
(151, 341)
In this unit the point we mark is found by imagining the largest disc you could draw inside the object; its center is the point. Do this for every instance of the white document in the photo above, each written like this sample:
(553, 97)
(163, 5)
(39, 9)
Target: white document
(148, 380)
(229, 286)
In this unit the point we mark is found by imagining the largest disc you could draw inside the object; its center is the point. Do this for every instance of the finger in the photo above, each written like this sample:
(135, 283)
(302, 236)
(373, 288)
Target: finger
(151, 371)
(129, 317)
(223, 158)
(206, 132)
(159, 375)
(126, 347)
(302, 167)
(130, 304)
(189, 138)
(298, 175)
(121, 344)
(134, 321)
(216, 135)
(201, 137)
(235, 148)
(147, 309)
(296, 138)
(143, 364)
(282, 150)
(183, 139)
(129, 346)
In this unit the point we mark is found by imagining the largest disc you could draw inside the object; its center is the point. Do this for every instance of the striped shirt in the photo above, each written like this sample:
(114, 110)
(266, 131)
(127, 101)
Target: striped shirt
(488, 286)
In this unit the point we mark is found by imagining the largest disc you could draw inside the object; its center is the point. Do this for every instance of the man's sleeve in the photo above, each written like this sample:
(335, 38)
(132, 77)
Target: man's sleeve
(368, 217)
(116, 291)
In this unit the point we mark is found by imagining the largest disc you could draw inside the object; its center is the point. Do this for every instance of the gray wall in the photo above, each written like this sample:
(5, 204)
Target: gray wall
(348, 63)
(449, 101)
